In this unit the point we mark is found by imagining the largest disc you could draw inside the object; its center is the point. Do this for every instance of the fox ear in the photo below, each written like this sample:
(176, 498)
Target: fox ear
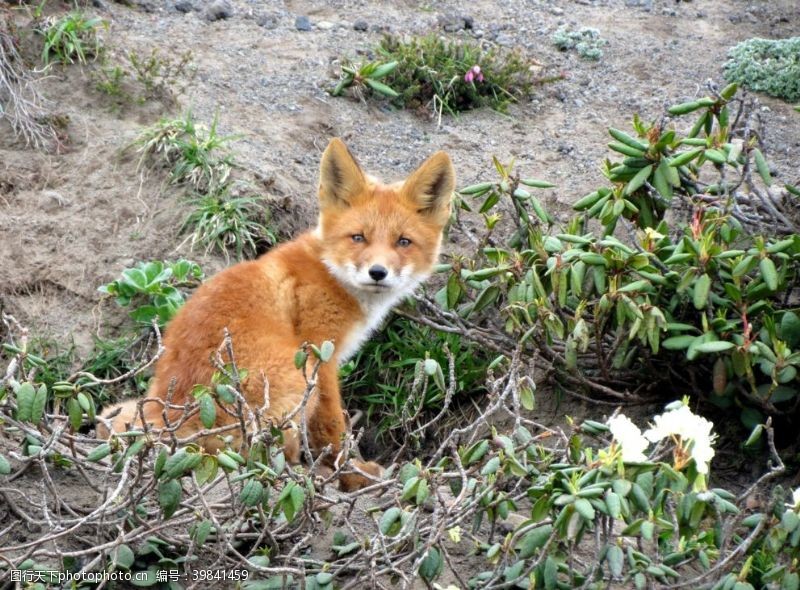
(340, 176)
(431, 186)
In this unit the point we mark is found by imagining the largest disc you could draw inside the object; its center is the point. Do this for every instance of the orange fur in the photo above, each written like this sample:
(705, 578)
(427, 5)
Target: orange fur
(317, 287)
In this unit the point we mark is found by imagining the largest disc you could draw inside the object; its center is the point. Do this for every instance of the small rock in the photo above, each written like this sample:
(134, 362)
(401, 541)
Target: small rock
(556, 10)
(218, 10)
(361, 25)
(325, 25)
(504, 39)
(455, 22)
(301, 23)
(99, 4)
(645, 4)
(184, 6)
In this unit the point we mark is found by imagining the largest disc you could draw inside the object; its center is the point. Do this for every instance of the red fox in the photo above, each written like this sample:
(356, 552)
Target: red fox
(372, 246)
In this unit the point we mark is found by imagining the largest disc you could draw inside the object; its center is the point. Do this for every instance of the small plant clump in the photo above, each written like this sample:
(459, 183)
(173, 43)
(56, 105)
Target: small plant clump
(153, 288)
(70, 38)
(219, 221)
(152, 76)
(448, 76)
(586, 41)
(195, 154)
(771, 66)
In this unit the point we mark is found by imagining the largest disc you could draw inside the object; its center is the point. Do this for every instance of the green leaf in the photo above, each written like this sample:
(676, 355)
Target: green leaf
(326, 351)
(637, 181)
(702, 286)
(251, 493)
(769, 273)
(207, 470)
(75, 413)
(123, 556)
(25, 396)
(389, 519)
(678, 342)
(381, 88)
(616, 560)
(169, 496)
(585, 509)
(99, 453)
(208, 410)
(714, 346)
(790, 329)
(762, 166)
(533, 540)
(5, 466)
(550, 573)
(201, 531)
(432, 565)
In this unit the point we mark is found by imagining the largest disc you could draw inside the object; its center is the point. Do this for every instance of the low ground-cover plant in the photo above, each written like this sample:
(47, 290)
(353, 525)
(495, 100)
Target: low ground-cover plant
(766, 65)
(704, 303)
(153, 289)
(586, 41)
(70, 38)
(196, 154)
(220, 221)
(445, 75)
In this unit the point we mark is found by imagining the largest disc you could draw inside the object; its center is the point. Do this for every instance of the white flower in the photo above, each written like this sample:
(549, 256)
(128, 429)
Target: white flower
(629, 437)
(693, 431)
(795, 504)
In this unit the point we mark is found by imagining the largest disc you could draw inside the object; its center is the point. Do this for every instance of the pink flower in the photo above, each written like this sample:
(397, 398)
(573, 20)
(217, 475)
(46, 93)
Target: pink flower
(474, 73)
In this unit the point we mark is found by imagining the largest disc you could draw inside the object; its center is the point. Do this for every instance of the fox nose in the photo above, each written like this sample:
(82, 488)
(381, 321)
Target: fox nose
(378, 272)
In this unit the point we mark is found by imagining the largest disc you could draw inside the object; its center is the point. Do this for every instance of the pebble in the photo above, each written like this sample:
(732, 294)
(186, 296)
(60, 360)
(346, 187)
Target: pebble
(455, 22)
(184, 6)
(219, 10)
(301, 23)
(504, 39)
(325, 25)
(361, 25)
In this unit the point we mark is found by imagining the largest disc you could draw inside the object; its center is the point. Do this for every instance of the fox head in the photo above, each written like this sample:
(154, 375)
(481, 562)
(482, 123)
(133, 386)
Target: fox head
(378, 238)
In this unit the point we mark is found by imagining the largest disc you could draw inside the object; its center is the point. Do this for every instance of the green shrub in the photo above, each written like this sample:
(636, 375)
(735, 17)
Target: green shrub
(73, 37)
(586, 41)
(219, 221)
(153, 287)
(702, 302)
(444, 75)
(771, 66)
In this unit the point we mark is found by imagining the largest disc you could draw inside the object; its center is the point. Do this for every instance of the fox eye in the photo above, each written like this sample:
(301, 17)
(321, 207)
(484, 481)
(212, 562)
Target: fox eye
(404, 242)
(358, 238)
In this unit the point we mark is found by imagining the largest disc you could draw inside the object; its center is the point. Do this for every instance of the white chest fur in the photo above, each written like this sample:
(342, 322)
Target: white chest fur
(375, 306)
